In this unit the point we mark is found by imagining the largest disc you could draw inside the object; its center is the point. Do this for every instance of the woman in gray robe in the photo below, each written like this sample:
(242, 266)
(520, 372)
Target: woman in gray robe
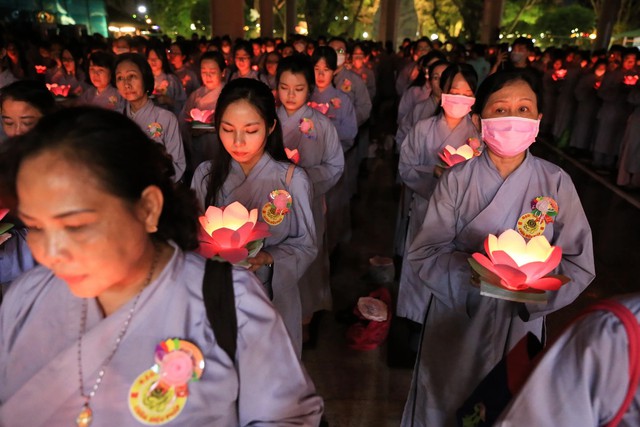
(117, 295)
(466, 334)
(629, 171)
(227, 179)
(319, 152)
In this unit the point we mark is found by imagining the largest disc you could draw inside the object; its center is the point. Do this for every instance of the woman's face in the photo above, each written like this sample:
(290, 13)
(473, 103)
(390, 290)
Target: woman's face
(272, 64)
(154, 62)
(515, 99)
(459, 86)
(89, 238)
(18, 117)
(357, 58)
(324, 74)
(243, 61)
(100, 76)
(243, 133)
(130, 82)
(293, 91)
(434, 79)
(68, 62)
(211, 74)
(175, 56)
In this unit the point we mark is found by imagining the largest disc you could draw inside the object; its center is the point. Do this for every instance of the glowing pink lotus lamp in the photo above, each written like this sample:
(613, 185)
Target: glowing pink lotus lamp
(452, 156)
(231, 233)
(59, 90)
(202, 116)
(517, 270)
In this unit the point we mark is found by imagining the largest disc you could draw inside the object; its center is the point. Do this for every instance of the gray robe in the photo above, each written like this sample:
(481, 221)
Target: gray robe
(418, 159)
(629, 171)
(147, 117)
(39, 323)
(109, 98)
(203, 145)
(466, 334)
(292, 243)
(343, 117)
(582, 379)
(322, 158)
(410, 98)
(171, 86)
(588, 104)
(352, 84)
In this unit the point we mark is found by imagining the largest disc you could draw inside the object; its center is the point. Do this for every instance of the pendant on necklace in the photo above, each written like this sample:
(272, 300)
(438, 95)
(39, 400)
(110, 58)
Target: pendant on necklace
(85, 416)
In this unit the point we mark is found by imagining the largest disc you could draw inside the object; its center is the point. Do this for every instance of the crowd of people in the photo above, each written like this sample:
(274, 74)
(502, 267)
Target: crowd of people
(104, 303)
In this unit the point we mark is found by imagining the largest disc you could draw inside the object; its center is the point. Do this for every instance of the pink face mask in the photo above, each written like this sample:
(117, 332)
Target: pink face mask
(457, 106)
(509, 136)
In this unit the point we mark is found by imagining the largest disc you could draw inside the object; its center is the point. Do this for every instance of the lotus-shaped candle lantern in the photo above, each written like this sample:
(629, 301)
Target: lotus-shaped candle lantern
(59, 90)
(516, 265)
(202, 116)
(452, 156)
(41, 69)
(631, 80)
(292, 155)
(231, 233)
(559, 74)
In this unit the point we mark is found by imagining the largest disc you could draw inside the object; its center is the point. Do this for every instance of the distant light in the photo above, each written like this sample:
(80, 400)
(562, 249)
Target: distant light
(365, 35)
(148, 21)
(142, 9)
(155, 27)
(533, 40)
(593, 36)
(500, 36)
(192, 26)
(134, 16)
(434, 36)
(258, 25)
(113, 29)
(346, 18)
(337, 18)
(127, 29)
(246, 28)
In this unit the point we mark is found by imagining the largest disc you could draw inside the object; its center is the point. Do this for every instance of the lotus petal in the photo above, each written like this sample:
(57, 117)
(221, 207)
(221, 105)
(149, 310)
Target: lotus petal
(465, 151)
(260, 231)
(3, 212)
(549, 283)
(503, 258)
(512, 278)
(535, 270)
(235, 215)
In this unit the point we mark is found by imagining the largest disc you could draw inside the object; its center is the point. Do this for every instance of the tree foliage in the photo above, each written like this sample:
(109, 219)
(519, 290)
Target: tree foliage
(175, 16)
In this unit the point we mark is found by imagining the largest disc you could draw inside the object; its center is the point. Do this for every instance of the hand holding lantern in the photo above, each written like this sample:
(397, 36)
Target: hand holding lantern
(518, 270)
(231, 233)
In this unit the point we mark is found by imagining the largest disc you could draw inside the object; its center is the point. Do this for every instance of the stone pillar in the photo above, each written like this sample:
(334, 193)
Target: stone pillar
(388, 20)
(291, 19)
(266, 18)
(606, 22)
(491, 16)
(227, 17)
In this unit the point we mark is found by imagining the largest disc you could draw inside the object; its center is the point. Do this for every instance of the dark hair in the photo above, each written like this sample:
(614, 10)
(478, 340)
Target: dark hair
(328, 54)
(261, 98)
(143, 66)
(436, 64)
(162, 54)
(213, 56)
(32, 92)
(497, 81)
(524, 41)
(97, 138)
(364, 47)
(103, 59)
(467, 71)
(243, 45)
(423, 65)
(185, 48)
(297, 64)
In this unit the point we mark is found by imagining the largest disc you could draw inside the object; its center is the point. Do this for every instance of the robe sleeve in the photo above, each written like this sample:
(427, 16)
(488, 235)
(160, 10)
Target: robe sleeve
(433, 255)
(325, 174)
(274, 388)
(300, 248)
(589, 363)
(406, 102)
(362, 103)
(348, 120)
(15, 256)
(414, 170)
(199, 183)
(172, 140)
(609, 89)
(573, 234)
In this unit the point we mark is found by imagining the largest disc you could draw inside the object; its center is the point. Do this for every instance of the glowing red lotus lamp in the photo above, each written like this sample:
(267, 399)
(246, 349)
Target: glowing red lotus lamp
(518, 270)
(452, 156)
(202, 116)
(59, 90)
(231, 233)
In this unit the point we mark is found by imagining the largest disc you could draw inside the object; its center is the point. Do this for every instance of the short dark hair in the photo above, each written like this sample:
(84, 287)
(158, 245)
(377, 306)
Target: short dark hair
(524, 41)
(96, 138)
(497, 81)
(32, 92)
(328, 54)
(297, 64)
(467, 71)
(214, 56)
(143, 66)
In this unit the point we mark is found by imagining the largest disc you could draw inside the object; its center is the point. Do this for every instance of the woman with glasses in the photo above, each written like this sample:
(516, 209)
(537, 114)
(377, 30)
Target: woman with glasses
(242, 56)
